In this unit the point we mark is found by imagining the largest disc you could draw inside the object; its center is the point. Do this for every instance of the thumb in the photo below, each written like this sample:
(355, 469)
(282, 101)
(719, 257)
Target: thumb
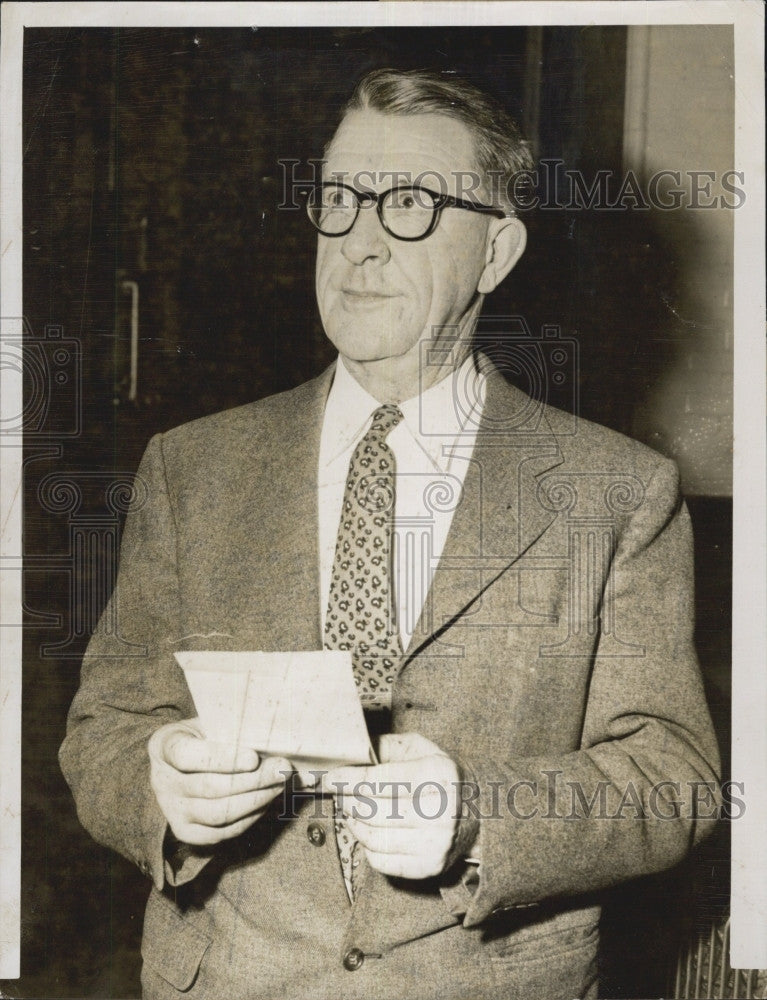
(164, 739)
(405, 746)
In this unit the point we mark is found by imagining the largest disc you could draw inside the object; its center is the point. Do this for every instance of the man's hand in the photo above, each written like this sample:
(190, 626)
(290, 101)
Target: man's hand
(210, 792)
(404, 811)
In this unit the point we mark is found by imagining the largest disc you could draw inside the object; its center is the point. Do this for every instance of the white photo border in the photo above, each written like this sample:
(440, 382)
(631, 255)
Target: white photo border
(749, 751)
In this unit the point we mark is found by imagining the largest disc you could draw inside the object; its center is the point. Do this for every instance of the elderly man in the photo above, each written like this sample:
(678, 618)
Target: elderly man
(515, 589)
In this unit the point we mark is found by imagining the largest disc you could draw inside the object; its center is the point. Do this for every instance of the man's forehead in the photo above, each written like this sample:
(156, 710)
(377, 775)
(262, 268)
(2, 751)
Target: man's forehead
(403, 144)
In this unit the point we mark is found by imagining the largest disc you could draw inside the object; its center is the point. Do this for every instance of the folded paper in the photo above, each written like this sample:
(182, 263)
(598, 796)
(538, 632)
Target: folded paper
(299, 705)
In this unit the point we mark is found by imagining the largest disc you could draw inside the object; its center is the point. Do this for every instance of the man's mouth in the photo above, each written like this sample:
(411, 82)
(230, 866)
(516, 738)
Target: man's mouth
(361, 293)
(361, 298)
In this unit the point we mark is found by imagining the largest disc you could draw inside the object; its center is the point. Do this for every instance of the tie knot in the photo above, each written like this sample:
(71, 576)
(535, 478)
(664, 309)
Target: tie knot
(385, 419)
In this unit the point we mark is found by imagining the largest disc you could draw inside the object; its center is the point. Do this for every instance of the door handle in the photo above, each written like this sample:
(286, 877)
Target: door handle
(132, 287)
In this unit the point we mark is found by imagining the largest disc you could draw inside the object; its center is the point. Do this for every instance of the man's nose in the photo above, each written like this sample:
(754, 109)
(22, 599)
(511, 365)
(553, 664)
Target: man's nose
(367, 239)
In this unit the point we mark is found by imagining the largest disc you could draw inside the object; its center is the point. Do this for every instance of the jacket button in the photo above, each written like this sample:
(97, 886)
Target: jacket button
(353, 959)
(316, 834)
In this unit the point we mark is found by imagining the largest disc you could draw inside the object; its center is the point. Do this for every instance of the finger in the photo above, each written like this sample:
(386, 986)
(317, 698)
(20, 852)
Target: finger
(202, 836)
(396, 779)
(307, 779)
(402, 865)
(431, 842)
(189, 754)
(224, 812)
(425, 806)
(219, 786)
(344, 778)
(405, 746)
(275, 770)
(392, 779)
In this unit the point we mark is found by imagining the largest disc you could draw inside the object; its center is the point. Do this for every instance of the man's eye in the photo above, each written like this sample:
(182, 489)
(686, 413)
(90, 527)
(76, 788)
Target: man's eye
(413, 200)
(336, 199)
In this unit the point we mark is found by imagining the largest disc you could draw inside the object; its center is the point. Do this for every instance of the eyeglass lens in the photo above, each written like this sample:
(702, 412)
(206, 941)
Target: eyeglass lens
(406, 212)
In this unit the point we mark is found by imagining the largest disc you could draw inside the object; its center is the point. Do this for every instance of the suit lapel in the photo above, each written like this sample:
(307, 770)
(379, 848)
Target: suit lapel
(499, 516)
(285, 534)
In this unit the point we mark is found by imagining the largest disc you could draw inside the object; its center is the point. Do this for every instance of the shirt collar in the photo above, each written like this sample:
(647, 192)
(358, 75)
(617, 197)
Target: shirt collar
(434, 419)
(348, 411)
(439, 418)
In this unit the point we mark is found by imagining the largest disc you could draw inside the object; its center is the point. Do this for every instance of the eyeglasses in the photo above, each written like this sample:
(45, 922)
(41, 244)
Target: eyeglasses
(406, 212)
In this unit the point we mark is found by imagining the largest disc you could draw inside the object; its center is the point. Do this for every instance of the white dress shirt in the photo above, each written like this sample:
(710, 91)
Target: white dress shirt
(432, 446)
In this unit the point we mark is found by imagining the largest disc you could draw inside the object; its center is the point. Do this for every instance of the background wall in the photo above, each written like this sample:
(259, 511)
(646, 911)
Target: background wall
(152, 156)
(679, 104)
(679, 99)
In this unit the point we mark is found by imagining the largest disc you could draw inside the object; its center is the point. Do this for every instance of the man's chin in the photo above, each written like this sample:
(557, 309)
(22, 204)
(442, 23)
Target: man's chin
(366, 346)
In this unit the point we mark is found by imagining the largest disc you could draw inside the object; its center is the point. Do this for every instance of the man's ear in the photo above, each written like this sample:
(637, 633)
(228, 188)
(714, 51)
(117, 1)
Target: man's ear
(506, 241)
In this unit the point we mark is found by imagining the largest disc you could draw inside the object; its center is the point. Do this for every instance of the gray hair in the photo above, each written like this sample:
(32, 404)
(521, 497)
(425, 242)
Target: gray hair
(501, 153)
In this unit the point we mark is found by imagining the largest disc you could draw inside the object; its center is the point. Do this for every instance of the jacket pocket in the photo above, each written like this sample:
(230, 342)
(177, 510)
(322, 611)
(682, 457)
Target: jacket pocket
(558, 966)
(548, 934)
(172, 947)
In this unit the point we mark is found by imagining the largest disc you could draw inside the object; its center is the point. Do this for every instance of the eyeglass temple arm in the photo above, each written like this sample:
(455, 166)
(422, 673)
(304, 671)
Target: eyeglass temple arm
(447, 199)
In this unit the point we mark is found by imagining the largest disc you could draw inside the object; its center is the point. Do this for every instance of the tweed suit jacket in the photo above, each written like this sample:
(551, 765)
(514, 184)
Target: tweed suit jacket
(553, 660)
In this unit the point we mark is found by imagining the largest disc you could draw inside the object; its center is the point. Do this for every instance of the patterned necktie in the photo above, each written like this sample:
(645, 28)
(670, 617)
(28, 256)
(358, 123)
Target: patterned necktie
(361, 615)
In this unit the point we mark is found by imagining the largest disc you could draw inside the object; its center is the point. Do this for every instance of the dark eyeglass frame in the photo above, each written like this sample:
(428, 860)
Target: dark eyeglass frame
(441, 201)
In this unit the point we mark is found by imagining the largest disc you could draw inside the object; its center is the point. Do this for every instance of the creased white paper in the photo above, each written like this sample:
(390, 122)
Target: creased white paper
(299, 705)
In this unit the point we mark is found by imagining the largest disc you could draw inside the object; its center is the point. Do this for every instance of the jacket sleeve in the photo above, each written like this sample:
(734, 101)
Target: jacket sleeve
(642, 788)
(130, 686)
